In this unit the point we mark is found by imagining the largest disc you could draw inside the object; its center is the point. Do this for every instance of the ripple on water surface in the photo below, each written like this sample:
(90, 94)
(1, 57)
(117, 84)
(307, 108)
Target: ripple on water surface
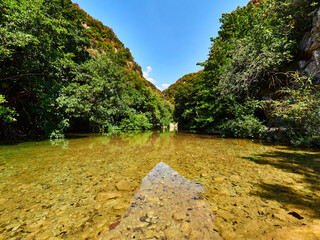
(76, 188)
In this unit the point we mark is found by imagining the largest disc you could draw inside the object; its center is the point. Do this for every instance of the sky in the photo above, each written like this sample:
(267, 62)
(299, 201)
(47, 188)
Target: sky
(167, 38)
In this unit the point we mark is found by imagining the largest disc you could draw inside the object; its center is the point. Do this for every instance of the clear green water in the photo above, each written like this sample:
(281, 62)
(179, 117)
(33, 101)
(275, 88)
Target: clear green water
(49, 189)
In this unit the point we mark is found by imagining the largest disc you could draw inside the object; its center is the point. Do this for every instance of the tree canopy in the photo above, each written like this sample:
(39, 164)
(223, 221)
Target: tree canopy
(250, 60)
(63, 70)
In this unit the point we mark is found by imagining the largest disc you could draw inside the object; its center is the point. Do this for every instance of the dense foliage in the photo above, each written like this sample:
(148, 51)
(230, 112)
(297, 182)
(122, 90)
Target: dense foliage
(104, 41)
(248, 62)
(61, 69)
(298, 107)
(185, 82)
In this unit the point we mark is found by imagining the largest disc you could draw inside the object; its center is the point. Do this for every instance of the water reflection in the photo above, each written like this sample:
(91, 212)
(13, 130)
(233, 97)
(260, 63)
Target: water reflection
(63, 143)
(136, 138)
(173, 127)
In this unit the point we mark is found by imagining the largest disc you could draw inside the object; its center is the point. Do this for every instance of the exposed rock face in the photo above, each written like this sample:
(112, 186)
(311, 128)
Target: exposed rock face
(254, 1)
(166, 207)
(311, 45)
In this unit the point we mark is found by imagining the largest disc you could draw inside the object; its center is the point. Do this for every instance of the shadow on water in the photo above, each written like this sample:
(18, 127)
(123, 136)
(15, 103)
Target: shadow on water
(307, 165)
(68, 136)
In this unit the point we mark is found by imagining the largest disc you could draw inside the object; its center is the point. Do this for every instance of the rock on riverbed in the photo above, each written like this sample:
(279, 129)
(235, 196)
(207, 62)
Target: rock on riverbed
(167, 206)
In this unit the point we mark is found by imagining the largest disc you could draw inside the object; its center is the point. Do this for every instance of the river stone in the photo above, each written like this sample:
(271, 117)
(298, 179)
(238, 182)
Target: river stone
(3, 200)
(123, 185)
(180, 215)
(185, 227)
(120, 206)
(280, 216)
(166, 207)
(104, 196)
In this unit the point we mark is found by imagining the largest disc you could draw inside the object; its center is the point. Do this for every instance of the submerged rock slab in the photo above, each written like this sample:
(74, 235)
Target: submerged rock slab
(167, 206)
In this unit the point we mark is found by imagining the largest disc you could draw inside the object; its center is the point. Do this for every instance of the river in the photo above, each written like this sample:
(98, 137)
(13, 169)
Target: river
(69, 189)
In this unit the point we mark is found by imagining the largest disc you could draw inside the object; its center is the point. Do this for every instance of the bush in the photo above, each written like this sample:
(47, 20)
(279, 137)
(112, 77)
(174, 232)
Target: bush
(243, 126)
(298, 109)
(6, 114)
(135, 122)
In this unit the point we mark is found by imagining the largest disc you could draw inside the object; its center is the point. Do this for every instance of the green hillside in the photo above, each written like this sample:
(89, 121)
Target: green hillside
(62, 70)
(249, 82)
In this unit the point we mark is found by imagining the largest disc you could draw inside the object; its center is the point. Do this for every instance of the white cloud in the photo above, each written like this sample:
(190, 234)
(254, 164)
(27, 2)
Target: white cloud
(146, 75)
(151, 80)
(165, 86)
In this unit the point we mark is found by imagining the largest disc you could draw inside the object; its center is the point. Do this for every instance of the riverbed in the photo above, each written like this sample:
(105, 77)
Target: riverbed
(77, 187)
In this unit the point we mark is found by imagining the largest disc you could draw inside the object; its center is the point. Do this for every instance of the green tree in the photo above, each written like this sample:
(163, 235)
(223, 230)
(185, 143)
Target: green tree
(247, 62)
(61, 69)
(298, 111)
(41, 40)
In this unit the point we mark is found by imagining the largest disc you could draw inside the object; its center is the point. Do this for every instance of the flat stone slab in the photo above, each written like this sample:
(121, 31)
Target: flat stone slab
(167, 206)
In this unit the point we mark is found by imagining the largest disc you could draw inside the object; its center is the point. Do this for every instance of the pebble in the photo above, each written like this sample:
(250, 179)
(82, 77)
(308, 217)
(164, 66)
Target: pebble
(214, 207)
(123, 185)
(280, 216)
(179, 216)
(185, 227)
(121, 206)
(97, 206)
(195, 235)
(204, 175)
(39, 224)
(149, 234)
(141, 224)
(219, 179)
(170, 233)
(114, 234)
(103, 196)
(152, 199)
(151, 213)
(223, 191)
(3, 200)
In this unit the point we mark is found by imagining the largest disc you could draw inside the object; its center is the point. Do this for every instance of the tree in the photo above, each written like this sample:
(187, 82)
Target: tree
(298, 108)
(41, 40)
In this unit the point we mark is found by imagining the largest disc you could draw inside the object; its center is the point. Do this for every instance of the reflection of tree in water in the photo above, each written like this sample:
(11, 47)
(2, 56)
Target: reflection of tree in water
(63, 143)
(101, 140)
(91, 140)
(305, 164)
(136, 138)
(165, 134)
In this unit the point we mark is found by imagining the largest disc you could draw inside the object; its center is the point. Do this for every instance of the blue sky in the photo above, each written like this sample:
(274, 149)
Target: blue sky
(167, 38)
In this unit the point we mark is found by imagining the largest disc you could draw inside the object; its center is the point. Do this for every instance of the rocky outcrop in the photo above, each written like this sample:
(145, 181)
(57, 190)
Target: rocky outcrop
(167, 206)
(310, 44)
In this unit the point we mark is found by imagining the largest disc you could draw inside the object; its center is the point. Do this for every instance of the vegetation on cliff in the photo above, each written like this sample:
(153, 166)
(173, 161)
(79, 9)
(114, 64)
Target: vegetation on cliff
(63, 70)
(250, 63)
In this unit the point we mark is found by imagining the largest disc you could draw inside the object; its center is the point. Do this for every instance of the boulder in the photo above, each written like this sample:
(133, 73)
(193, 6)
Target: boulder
(166, 207)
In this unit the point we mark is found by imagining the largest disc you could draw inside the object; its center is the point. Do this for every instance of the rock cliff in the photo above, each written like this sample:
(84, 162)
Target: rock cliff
(310, 44)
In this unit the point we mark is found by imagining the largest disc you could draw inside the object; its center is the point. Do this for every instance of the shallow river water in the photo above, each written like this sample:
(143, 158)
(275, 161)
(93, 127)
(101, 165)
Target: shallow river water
(76, 188)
